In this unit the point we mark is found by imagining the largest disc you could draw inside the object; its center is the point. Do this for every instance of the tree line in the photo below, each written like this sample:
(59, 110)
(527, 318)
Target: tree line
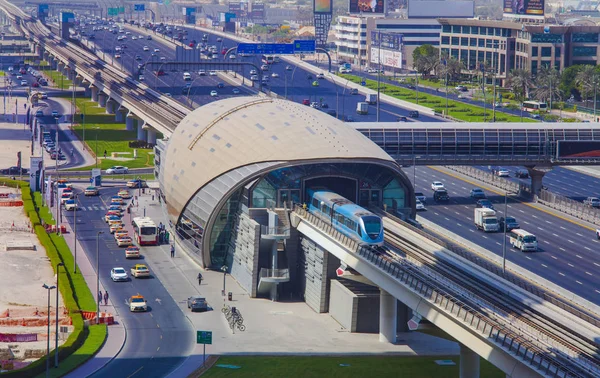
(577, 82)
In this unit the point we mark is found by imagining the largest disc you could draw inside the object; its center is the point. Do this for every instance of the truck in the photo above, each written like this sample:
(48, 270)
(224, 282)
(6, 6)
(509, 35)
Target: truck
(362, 108)
(598, 233)
(485, 219)
(592, 201)
(371, 98)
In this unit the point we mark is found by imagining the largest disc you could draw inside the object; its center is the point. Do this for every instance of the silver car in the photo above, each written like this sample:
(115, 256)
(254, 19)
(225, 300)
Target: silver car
(196, 303)
(118, 274)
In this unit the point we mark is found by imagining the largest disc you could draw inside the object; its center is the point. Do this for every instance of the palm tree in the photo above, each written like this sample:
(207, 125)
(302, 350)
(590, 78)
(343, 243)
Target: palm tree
(519, 80)
(587, 79)
(546, 84)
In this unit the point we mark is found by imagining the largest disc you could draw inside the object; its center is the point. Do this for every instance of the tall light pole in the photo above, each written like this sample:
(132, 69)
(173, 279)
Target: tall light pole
(98, 272)
(378, 72)
(224, 270)
(75, 233)
(337, 97)
(56, 325)
(48, 288)
(97, 128)
(445, 63)
(504, 231)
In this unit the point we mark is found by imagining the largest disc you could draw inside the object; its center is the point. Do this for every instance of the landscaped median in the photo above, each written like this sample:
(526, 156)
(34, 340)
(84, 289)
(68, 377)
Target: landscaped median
(83, 342)
(103, 133)
(456, 109)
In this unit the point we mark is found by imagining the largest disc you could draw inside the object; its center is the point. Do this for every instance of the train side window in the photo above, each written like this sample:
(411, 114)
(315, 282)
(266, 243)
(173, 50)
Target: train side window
(315, 203)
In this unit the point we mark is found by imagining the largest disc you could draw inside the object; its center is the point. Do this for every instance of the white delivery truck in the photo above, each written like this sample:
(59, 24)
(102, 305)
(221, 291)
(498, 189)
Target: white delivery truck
(371, 98)
(362, 108)
(485, 219)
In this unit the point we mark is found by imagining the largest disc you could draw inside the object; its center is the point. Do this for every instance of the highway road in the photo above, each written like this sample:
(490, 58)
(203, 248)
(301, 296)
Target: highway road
(158, 340)
(568, 254)
(560, 180)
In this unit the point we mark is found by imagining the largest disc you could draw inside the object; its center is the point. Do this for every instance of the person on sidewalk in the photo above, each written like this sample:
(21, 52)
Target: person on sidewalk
(99, 296)
(172, 250)
(199, 278)
(106, 298)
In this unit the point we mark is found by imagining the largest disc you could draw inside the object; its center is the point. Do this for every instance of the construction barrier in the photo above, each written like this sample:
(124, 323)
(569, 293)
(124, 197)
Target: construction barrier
(50, 228)
(11, 203)
(107, 318)
(18, 337)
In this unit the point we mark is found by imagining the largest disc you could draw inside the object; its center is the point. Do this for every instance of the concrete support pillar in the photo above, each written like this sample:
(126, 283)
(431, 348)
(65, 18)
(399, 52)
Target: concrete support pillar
(129, 123)
(403, 314)
(119, 116)
(110, 107)
(387, 317)
(102, 99)
(151, 135)
(469, 363)
(95, 93)
(141, 133)
(536, 180)
(88, 90)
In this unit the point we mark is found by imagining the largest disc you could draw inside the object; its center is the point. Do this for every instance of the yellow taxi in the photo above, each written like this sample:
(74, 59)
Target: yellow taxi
(114, 221)
(124, 194)
(117, 228)
(121, 234)
(137, 303)
(140, 270)
(132, 252)
(116, 200)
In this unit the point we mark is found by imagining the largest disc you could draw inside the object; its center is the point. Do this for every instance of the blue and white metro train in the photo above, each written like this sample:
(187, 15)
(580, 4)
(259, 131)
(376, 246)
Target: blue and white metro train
(347, 217)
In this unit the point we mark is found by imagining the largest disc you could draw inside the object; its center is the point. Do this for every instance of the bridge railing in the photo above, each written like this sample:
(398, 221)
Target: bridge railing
(491, 179)
(507, 339)
(569, 206)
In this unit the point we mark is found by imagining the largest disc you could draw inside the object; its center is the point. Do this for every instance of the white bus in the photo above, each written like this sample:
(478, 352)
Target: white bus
(532, 106)
(523, 240)
(145, 231)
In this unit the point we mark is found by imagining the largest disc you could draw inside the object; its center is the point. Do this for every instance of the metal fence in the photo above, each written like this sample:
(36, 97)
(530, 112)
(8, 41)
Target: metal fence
(569, 206)
(491, 179)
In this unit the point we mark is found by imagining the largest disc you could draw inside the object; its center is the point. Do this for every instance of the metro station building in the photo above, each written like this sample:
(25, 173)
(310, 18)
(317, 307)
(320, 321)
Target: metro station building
(232, 171)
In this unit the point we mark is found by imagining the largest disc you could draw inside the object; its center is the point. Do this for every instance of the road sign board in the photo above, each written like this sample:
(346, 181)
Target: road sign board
(413, 323)
(139, 7)
(265, 48)
(305, 45)
(203, 337)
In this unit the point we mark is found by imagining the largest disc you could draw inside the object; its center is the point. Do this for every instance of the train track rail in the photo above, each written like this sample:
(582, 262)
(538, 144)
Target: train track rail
(576, 353)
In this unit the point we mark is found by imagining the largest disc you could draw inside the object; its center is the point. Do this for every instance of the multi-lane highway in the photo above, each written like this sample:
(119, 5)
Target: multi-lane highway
(158, 340)
(568, 254)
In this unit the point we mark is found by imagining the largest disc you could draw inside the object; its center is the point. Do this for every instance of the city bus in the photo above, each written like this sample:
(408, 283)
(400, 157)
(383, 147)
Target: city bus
(532, 106)
(268, 59)
(523, 240)
(145, 231)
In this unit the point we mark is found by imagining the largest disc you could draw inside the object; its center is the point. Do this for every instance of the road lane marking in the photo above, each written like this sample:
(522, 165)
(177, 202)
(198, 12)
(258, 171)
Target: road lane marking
(135, 372)
(485, 237)
(562, 249)
(498, 243)
(556, 258)
(534, 216)
(544, 265)
(528, 258)
(578, 234)
(571, 241)
(562, 274)
(541, 229)
(548, 222)
(579, 256)
(588, 273)
(571, 265)
(522, 211)
(562, 228)
(579, 282)
(555, 235)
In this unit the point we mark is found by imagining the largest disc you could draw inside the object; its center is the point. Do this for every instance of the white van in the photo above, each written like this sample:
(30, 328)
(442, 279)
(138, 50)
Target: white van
(523, 240)
(187, 76)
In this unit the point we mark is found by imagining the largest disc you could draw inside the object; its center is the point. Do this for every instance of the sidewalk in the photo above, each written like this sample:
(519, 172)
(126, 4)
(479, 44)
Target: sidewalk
(116, 333)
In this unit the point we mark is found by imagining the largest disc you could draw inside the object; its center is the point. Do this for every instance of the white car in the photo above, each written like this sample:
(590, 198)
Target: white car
(232, 56)
(436, 185)
(117, 56)
(156, 50)
(254, 77)
(118, 274)
(141, 78)
(253, 72)
(23, 82)
(133, 38)
(213, 93)
(420, 206)
(274, 75)
(314, 105)
(202, 73)
(146, 48)
(213, 73)
(116, 170)
(236, 91)
(503, 173)
(320, 76)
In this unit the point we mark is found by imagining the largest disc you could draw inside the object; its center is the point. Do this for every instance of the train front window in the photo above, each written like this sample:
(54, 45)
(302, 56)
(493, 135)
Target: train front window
(372, 226)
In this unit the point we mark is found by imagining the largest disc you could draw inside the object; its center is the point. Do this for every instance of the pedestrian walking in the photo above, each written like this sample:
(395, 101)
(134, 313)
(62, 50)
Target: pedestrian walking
(199, 278)
(172, 250)
(106, 298)
(99, 296)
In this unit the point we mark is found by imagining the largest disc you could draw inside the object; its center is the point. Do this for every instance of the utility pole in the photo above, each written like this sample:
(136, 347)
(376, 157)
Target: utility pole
(378, 71)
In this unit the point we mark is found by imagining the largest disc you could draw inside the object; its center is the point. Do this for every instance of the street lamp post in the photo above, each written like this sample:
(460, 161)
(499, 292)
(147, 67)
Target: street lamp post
(56, 325)
(98, 272)
(48, 288)
(224, 270)
(75, 233)
(504, 232)
(378, 73)
(445, 62)
(97, 128)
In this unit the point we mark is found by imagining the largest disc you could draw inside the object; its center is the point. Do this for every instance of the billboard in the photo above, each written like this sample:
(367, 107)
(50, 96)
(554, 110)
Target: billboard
(390, 41)
(389, 58)
(366, 6)
(139, 7)
(574, 149)
(524, 8)
(323, 6)
(36, 173)
(258, 10)
(238, 8)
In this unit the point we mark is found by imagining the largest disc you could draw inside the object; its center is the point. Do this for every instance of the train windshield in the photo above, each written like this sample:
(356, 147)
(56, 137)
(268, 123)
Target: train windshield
(372, 226)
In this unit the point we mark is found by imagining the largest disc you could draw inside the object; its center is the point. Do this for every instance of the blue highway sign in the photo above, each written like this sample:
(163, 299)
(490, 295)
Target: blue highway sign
(265, 48)
(305, 46)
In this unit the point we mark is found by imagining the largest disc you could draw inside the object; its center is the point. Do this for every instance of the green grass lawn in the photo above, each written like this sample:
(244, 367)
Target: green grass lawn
(91, 345)
(456, 109)
(59, 79)
(112, 137)
(359, 366)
